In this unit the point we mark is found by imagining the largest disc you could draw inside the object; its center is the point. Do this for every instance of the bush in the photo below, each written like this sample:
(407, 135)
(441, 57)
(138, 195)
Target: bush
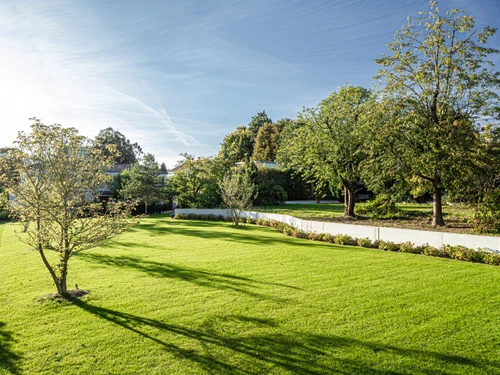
(490, 257)
(431, 250)
(487, 215)
(4, 215)
(344, 239)
(327, 237)
(288, 230)
(409, 247)
(270, 194)
(382, 207)
(462, 253)
(314, 236)
(299, 234)
(364, 242)
(250, 220)
(388, 246)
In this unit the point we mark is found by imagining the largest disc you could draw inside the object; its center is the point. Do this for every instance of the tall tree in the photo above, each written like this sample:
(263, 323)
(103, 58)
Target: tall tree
(328, 145)
(237, 145)
(283, 123)
(128, 153)
(59, 173)
(266, 143)
(258, 121)
(436, 82)
(143, 182)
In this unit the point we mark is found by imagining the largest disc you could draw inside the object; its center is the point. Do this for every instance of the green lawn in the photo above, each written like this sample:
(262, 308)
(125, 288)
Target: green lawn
(193, 297)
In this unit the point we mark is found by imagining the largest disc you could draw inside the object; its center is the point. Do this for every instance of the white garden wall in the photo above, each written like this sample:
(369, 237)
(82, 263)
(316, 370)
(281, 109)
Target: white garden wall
(418, 237)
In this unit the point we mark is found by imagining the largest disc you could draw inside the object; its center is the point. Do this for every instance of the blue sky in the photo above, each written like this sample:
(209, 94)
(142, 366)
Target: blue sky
(177, 76)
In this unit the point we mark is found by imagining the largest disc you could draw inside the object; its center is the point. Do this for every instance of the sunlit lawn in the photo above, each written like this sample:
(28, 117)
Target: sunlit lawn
(193, 297)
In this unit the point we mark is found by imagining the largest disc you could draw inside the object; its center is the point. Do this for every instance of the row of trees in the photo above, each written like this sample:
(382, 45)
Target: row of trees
(428, 127)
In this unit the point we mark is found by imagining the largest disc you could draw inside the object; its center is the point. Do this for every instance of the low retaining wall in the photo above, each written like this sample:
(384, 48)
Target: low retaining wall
(418, 237)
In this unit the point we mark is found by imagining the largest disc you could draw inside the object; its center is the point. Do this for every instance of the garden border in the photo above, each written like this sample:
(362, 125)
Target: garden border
(418, 237)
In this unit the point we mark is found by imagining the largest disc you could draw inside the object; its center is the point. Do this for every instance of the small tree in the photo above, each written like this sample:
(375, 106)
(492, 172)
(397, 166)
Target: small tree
(237, 192)
(60, 173)
(144, 183)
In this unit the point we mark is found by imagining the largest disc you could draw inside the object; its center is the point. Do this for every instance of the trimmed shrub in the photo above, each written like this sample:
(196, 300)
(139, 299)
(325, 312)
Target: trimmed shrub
(463, 253)
(313, 236)
(364, 242)
(409, 247)
(327, 237)
(490, 257)
(431, 250)
(388, 246)
(343, 239)
(269, 193)
(299, 234)
(289, 230)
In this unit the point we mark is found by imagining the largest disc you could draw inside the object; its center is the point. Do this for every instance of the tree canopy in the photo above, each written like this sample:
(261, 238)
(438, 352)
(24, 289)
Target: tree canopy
(258, 121)
(128, 153)
(436, 82)
(195, 184)
(328, 144)
(144, 183)
(237, 145)
(266, 143)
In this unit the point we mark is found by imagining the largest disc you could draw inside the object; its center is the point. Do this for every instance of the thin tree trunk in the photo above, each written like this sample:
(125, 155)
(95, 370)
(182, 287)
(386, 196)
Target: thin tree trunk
(437, 216)
(145, 208)
(56, 280)
(63, 290)
(349, 200)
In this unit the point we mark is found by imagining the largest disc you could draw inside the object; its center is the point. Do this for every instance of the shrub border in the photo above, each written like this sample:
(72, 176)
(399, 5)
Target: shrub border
(457, 252)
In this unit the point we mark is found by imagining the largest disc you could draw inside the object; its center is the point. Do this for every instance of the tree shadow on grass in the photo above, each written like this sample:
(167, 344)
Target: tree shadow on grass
(201, 229)
(216, 280)
(269, 350)
(8, 358)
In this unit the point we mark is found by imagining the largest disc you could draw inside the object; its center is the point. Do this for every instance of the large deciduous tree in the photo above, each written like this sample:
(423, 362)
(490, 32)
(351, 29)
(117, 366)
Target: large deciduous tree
(128, 153)
(436, 82)
(59, 174)
(328, 144)
(195, 183)
(143, 182)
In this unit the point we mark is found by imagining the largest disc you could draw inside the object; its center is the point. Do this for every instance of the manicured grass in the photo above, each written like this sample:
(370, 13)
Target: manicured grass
(193, 297)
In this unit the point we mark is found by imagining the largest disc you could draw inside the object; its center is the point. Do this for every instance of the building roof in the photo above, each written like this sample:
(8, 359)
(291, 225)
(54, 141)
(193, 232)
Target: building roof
(120, 167)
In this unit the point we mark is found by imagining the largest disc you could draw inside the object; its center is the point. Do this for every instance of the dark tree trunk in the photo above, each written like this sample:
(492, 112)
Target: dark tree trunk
(349, 199)
(145, 208)
(437, 216)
